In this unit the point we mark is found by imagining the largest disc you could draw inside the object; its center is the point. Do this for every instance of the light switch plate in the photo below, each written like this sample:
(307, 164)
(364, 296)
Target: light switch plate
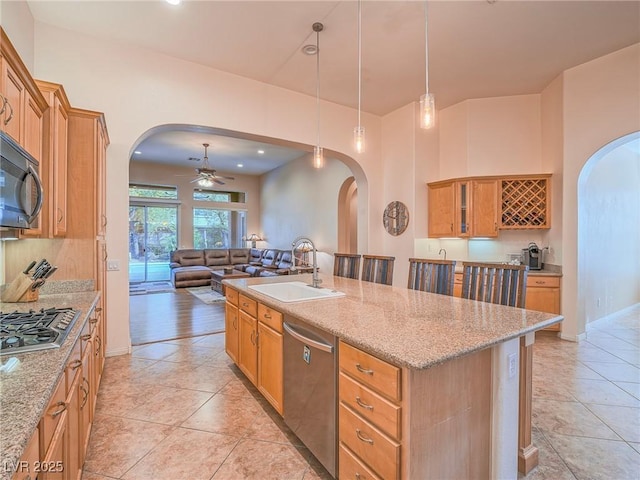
(513, 364)
(113, 265)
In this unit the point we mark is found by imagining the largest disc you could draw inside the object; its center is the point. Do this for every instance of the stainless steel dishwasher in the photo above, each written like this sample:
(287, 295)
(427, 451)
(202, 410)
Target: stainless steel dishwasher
(310, 388)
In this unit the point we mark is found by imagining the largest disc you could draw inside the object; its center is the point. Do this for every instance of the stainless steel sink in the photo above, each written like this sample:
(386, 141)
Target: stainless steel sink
(295, 291)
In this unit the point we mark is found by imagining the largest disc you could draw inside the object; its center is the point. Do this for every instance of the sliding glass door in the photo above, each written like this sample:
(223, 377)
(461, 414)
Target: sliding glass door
(153, 234)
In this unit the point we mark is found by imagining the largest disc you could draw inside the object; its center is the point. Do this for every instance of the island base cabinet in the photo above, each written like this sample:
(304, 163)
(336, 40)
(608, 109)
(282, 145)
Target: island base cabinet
(352, 467)
(248, 347)
(231, 331)
(270, 366)
(25, 470)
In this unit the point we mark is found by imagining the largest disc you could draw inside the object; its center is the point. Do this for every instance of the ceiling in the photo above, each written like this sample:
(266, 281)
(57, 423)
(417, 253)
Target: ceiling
(476, 48)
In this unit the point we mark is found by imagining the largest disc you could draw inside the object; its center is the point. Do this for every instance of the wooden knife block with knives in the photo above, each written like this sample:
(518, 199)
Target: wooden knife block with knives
(25, 287)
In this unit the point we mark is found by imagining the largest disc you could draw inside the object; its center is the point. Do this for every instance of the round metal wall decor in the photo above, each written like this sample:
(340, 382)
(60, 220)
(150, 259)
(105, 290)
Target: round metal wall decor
(395, 218)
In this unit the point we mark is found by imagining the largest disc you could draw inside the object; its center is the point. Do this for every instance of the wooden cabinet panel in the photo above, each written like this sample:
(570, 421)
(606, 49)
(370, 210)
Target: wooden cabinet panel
(371, 371)
(270, 365)
(248, 346)
(525, 202)
(270, 317)
(351, 467)
(248, 305)
(56, 458)
(543, 295)
(73, 467)
(231, 330)
(484, 205)
(31, 455)
(441, 198)
(13, 91)
(232, 296)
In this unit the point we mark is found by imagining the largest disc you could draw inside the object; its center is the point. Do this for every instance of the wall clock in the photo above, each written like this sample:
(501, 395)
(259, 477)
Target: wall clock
(395, 218)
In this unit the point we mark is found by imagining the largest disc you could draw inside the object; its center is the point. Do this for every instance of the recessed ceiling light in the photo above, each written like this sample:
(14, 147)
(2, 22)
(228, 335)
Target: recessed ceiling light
(261, 152)
(138, 152)
(240, 165)
(174, 2)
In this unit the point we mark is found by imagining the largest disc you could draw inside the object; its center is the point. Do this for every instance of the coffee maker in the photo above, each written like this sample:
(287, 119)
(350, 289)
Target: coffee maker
(532, 256)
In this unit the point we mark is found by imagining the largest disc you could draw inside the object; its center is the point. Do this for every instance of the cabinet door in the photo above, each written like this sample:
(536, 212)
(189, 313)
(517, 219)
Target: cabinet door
(73, 467)
(13, 90)
(86, 415)
(441, 197)
(32, 138)
(462, 227)
(231, 331)
(270, 365)
(248, 346)
(101, 190)
(485, 208)
(543, 295)
(55, 461)
(59, 170)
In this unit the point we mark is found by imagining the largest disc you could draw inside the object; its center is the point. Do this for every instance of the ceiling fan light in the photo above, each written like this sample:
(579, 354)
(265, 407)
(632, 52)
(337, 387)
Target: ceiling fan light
(427, 111)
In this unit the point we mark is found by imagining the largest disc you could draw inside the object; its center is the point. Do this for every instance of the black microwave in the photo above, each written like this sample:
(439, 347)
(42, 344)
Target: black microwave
(20, 187)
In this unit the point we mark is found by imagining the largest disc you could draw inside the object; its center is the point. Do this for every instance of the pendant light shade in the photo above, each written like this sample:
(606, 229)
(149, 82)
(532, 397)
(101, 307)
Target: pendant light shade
(427, 101)
(318, 156)
(358, 132)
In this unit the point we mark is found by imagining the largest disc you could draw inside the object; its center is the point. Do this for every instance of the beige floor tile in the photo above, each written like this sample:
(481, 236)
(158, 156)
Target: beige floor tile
(225, 414)
(629, 356)
(184, 454)
(569, 418)
(602, 392)
(120, 398)
(155, 351)
(95, 476)
(550, 465)
(185, 375)
(617, 372)
(597, 459)
(169, 406)
(117, 444)
(636, 446)
(255, 460)
(592, 353)
(545, 387)
(193, 354)
(632, 388)
(625, 421)
(238, 388)
(213, 341)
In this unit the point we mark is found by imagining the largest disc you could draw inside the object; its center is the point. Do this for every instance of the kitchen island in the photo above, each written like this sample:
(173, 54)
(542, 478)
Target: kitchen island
(26, 390)
(460, 385)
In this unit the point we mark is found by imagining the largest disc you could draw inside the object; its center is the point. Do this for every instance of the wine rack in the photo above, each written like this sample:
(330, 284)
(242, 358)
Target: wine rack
(525, 203)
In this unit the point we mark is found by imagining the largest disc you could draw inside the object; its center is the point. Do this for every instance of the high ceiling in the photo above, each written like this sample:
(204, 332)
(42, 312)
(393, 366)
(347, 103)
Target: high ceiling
(476, 48)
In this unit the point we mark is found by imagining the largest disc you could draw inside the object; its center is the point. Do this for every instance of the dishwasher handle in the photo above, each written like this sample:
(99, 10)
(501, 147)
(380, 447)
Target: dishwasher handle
(319, 344)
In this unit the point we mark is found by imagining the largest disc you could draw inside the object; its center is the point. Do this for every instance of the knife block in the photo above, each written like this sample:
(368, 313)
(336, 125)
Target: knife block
(19, 290)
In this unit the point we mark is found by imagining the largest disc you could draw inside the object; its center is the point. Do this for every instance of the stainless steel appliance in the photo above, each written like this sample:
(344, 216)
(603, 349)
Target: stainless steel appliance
(20, 186)
(532, 256)
(30, 331)
(310, 389)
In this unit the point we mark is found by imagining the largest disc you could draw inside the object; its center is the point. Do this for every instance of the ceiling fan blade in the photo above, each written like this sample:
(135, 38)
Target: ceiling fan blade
(195, 180)
(219, 182)
(227, 178)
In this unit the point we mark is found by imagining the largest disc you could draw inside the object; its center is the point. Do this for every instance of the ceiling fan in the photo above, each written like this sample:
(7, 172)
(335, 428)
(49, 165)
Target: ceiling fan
(207, 176)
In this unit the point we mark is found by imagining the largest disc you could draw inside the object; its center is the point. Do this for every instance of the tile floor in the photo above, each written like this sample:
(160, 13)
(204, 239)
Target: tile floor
(180, 410)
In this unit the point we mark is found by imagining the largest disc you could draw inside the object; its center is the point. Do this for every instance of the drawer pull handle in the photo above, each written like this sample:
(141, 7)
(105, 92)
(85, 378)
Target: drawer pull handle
(58, 412)
(540, 282)
(362, 438)
(245, 305)
(93, 321)
(86, 336)
(85, 390)
(75, 364)
(366, 371)
(364, 405)
(358, 476)
(267, 315)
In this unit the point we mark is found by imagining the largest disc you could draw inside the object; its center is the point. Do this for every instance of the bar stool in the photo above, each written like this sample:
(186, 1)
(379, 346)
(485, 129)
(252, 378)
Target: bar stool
(346, 265)
(377, 269)
(434, 276)
(495, 283)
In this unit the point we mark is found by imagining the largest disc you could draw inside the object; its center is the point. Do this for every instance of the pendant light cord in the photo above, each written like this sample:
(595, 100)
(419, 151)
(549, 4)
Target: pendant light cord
(359, 58)
(318, 87)
(426, 49)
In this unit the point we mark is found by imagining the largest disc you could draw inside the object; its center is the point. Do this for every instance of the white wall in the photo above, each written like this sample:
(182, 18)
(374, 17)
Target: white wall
(17, 22)
(299, 200)
(601, 103)
(609, 231)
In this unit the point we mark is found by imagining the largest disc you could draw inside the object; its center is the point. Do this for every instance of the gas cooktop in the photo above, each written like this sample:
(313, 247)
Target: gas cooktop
(35, 330)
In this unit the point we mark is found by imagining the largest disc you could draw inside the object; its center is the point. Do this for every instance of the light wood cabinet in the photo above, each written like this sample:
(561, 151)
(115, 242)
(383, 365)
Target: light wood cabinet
(54, 160)
(26, 468)
(482, 206)
(543, 295)
(253, 340)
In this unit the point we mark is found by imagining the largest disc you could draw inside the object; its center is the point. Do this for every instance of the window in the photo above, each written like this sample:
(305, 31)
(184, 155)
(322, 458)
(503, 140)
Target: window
(153, 191)
(216, 228)
(204, 195)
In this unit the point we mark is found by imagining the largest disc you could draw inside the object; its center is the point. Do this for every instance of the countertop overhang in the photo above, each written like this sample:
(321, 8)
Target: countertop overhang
(409, 328)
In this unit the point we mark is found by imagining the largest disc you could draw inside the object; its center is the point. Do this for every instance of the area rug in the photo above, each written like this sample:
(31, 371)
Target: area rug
(150, 287)
(206, 294)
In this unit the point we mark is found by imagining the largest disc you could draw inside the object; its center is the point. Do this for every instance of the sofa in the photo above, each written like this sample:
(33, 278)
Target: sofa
(193, 267)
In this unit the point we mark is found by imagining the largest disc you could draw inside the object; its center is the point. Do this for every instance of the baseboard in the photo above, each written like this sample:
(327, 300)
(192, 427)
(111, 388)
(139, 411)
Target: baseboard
(118, 352)
(624, 311)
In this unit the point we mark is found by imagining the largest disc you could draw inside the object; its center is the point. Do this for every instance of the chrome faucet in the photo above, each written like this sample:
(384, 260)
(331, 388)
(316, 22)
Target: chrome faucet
(445, 253)
(315, 282)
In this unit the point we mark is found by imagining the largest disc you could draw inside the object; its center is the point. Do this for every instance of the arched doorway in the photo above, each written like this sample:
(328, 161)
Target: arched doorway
(348, 217)
(609, 229)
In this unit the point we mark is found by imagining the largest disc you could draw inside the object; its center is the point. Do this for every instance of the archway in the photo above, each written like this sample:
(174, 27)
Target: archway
(348, 217)
(608, 230)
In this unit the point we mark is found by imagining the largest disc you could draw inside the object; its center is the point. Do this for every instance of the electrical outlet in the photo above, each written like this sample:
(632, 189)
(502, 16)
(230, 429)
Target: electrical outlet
(513, 364)
(598, 302)
(113, 265)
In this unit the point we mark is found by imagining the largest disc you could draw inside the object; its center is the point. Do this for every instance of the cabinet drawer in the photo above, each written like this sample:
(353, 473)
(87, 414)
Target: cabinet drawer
(73, 364)
(374, 448)
(352, 468)
(232, 296)
(373, 372)
(248, 305)
(542, 281)
(371, 406)
(270, 317)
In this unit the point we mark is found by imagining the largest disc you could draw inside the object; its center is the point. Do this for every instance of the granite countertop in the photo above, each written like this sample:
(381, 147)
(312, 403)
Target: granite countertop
(406, 327)
(26, 390)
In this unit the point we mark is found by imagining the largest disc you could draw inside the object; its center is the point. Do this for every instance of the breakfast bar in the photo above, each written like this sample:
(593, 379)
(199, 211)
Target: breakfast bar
(450, 374)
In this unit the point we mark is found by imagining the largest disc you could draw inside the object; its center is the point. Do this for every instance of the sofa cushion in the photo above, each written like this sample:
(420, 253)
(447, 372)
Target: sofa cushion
(284, 262)
(238, 256)
(216, 257)
(255, 255)
(188, 257)
(270, 258)
(192, 276)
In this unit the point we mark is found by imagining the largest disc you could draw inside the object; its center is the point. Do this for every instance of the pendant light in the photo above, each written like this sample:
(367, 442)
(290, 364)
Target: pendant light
(318, 156)
(427, 101)
(358, 132)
